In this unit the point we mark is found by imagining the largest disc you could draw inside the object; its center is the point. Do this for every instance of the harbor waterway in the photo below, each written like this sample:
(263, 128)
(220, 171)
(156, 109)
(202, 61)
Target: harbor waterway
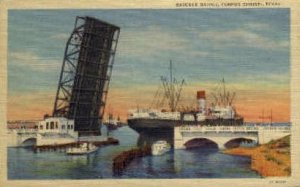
(25, 163)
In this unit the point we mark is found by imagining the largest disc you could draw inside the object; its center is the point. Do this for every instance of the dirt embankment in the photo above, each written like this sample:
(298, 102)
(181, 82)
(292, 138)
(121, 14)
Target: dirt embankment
(271, 159)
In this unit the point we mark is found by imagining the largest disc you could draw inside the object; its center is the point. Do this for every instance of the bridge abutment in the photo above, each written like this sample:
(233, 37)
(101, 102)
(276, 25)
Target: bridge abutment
(266, 134)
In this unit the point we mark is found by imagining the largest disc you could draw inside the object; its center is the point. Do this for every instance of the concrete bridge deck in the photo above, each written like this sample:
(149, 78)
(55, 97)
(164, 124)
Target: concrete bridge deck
(29, 137)
(221, 135)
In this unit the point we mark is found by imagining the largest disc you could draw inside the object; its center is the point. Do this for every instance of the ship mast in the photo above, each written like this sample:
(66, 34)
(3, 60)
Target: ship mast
(224, 92)
(172, 90)
(223, 97)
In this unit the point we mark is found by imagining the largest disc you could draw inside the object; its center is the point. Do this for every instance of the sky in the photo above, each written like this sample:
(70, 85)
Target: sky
(249, 48)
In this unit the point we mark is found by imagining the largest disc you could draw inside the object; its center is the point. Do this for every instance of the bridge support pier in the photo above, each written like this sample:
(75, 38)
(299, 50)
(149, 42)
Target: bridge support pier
(178, 139)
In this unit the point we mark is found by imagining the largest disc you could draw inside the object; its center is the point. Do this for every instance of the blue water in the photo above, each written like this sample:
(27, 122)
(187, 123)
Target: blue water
(24, 163)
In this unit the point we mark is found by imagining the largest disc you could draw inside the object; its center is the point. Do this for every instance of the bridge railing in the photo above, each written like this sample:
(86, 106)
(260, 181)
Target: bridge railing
(252, 128)
(274, 128)
(25, 130)
(218, 128)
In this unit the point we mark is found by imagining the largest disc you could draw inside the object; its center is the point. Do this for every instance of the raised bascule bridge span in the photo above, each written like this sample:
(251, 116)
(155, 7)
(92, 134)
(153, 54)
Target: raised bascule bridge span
(221, 136)
(85, 74)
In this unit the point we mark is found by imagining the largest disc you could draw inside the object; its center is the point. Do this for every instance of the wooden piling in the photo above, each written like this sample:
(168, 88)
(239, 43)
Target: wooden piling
(122, 160)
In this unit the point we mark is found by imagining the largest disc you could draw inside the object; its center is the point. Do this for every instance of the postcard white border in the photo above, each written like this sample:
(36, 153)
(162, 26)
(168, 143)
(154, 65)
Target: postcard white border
(294, 6)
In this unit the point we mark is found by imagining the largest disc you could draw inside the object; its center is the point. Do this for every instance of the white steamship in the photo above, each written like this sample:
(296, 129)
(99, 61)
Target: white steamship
(221, 112)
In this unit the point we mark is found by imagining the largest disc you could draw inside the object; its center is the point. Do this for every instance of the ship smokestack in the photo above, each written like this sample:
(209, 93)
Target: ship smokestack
(201, 100)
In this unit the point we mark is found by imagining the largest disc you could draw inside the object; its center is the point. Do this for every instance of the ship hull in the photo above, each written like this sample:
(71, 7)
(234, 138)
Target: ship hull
(152, 130)
(111, 126)
(146, 125)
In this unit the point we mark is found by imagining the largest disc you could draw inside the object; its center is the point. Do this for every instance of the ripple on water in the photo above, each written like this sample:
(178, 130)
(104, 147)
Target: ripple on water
(195, 163)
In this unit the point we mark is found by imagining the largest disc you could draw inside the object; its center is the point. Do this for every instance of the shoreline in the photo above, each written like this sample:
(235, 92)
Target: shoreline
(269, 160)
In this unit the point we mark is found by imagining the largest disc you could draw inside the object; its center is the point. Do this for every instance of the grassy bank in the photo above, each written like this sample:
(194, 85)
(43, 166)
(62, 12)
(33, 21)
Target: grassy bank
(271, 159)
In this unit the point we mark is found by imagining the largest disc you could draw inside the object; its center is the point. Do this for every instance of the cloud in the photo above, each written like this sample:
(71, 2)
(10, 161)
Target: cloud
(243, 38)
(198, 53)
(154, 41)
(33, 61)
(257, 26)
(61, 36)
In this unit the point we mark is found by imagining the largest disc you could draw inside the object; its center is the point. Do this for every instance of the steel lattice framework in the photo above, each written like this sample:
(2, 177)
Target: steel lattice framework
(85, 74)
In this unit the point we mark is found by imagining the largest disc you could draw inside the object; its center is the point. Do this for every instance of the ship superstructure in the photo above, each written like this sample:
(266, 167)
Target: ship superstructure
(220, 112)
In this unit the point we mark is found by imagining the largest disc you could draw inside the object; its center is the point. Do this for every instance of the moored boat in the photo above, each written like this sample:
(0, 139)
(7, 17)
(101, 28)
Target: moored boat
(160, 147)
(83, 149)
(112, 123)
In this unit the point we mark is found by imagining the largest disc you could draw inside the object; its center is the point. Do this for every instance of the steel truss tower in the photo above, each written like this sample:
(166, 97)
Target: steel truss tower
(85, 74)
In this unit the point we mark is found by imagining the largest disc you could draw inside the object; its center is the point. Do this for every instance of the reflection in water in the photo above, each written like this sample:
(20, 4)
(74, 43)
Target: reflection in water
(193, 162)
(148, 138)
(197, 163)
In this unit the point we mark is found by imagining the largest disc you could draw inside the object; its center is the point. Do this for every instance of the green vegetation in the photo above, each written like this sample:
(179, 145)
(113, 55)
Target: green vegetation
(280, 143)
(271, 158)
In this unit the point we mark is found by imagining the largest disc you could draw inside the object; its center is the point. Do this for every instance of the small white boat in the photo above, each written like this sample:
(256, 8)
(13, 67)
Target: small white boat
(160, 147)
(84, 148)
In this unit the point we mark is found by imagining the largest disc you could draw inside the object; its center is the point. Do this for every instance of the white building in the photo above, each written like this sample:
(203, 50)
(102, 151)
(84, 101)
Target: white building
(56, 125)
(56, 130)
